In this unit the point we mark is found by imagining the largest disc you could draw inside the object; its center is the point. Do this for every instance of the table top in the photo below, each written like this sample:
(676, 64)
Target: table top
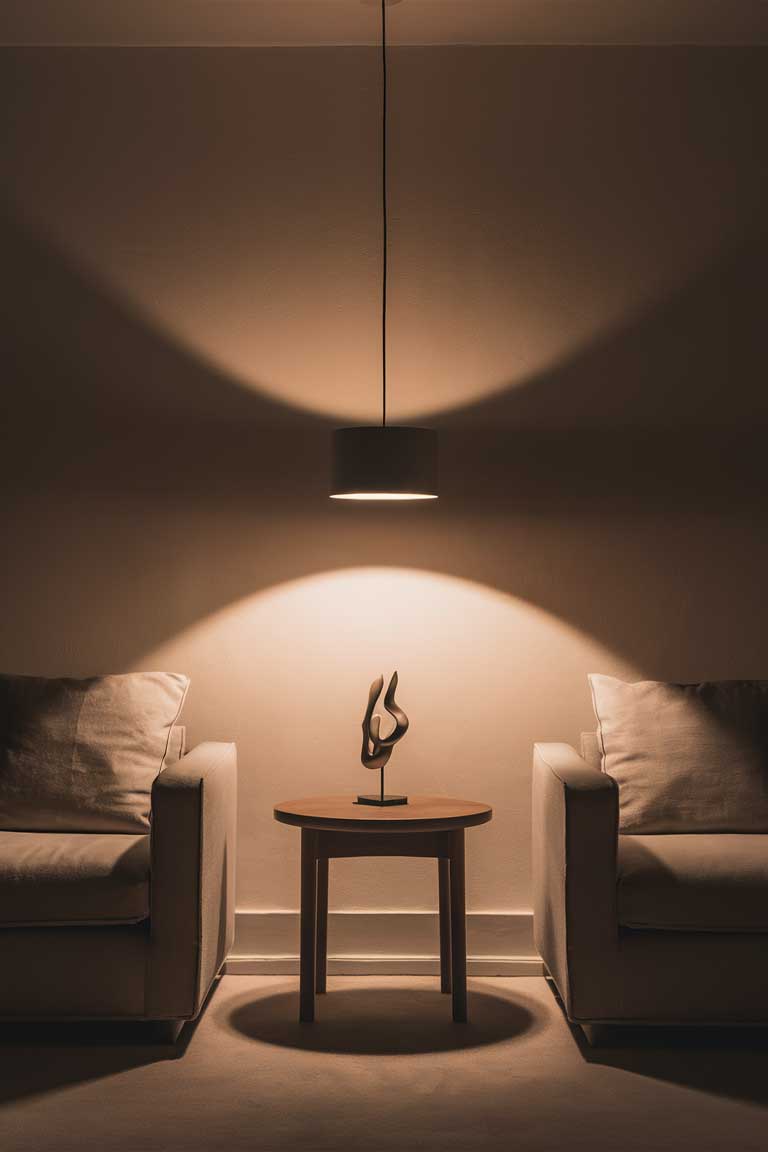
(420, 814)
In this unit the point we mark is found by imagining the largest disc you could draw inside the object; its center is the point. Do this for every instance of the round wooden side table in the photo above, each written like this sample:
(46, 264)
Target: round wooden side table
(335, 826)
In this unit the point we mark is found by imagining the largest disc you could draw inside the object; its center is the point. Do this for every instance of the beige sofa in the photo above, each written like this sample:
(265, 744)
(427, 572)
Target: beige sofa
(111, 925)
(643, 928)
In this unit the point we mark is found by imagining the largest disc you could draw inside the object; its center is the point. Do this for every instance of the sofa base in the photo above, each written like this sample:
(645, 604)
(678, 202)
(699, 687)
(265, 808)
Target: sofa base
(168, 1031)
(618, 1033)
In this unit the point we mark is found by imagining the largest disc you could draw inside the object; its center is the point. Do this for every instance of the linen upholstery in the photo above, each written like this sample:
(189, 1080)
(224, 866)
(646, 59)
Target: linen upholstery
(161, 968)
(81, 755)
(73, 878)
(701, 882)
(176, 744)
(193, 878)
(687, 757)
(75, 973)
(575, 818)
(688, 978)
(606, 972)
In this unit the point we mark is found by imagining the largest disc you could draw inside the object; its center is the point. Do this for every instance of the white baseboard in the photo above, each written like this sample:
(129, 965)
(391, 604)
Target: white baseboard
(383, 966)
(385, 943)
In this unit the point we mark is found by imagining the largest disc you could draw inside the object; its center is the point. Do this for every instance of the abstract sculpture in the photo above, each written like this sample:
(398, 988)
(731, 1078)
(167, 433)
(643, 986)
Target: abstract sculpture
(377, 749)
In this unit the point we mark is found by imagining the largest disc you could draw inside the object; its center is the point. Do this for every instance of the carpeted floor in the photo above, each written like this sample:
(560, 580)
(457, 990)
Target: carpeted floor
(382, 1069)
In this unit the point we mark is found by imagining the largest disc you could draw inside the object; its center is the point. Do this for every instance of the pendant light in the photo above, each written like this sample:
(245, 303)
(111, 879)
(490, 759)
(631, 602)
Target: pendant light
(385, 461)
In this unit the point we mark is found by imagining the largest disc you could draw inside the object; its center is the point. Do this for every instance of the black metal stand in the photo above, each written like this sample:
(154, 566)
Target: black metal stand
(382, 800)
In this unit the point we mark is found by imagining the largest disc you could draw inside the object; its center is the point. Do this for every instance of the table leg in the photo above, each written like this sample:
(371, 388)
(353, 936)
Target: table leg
(458, 928)
(321, 967)
(444, 882)
(308, 925)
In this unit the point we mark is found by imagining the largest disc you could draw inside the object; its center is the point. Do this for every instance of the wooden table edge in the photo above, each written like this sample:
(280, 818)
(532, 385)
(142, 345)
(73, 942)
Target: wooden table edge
(391, 824)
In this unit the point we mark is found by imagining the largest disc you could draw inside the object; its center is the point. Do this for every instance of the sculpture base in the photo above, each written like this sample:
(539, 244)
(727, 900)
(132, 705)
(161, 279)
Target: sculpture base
(382, 802)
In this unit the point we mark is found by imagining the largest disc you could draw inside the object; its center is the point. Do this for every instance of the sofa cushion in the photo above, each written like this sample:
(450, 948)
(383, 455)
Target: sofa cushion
(686, 757)
(81, 755)
(73, 878)
(590, 750)
(176, 745)
(703, 882)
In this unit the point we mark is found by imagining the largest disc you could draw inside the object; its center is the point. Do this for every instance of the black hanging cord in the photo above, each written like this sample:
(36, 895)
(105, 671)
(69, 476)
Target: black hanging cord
(384, 212)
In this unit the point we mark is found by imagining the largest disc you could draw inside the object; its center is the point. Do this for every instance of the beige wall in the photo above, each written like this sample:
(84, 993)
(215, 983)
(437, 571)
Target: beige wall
(189, 302)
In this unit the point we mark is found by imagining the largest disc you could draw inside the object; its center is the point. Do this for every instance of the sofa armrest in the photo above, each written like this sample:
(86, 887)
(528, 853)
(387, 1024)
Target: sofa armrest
(192, 880)
(575, 831)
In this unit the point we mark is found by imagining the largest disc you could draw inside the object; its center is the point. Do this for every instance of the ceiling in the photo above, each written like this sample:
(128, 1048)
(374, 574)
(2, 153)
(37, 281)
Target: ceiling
(318, 22)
